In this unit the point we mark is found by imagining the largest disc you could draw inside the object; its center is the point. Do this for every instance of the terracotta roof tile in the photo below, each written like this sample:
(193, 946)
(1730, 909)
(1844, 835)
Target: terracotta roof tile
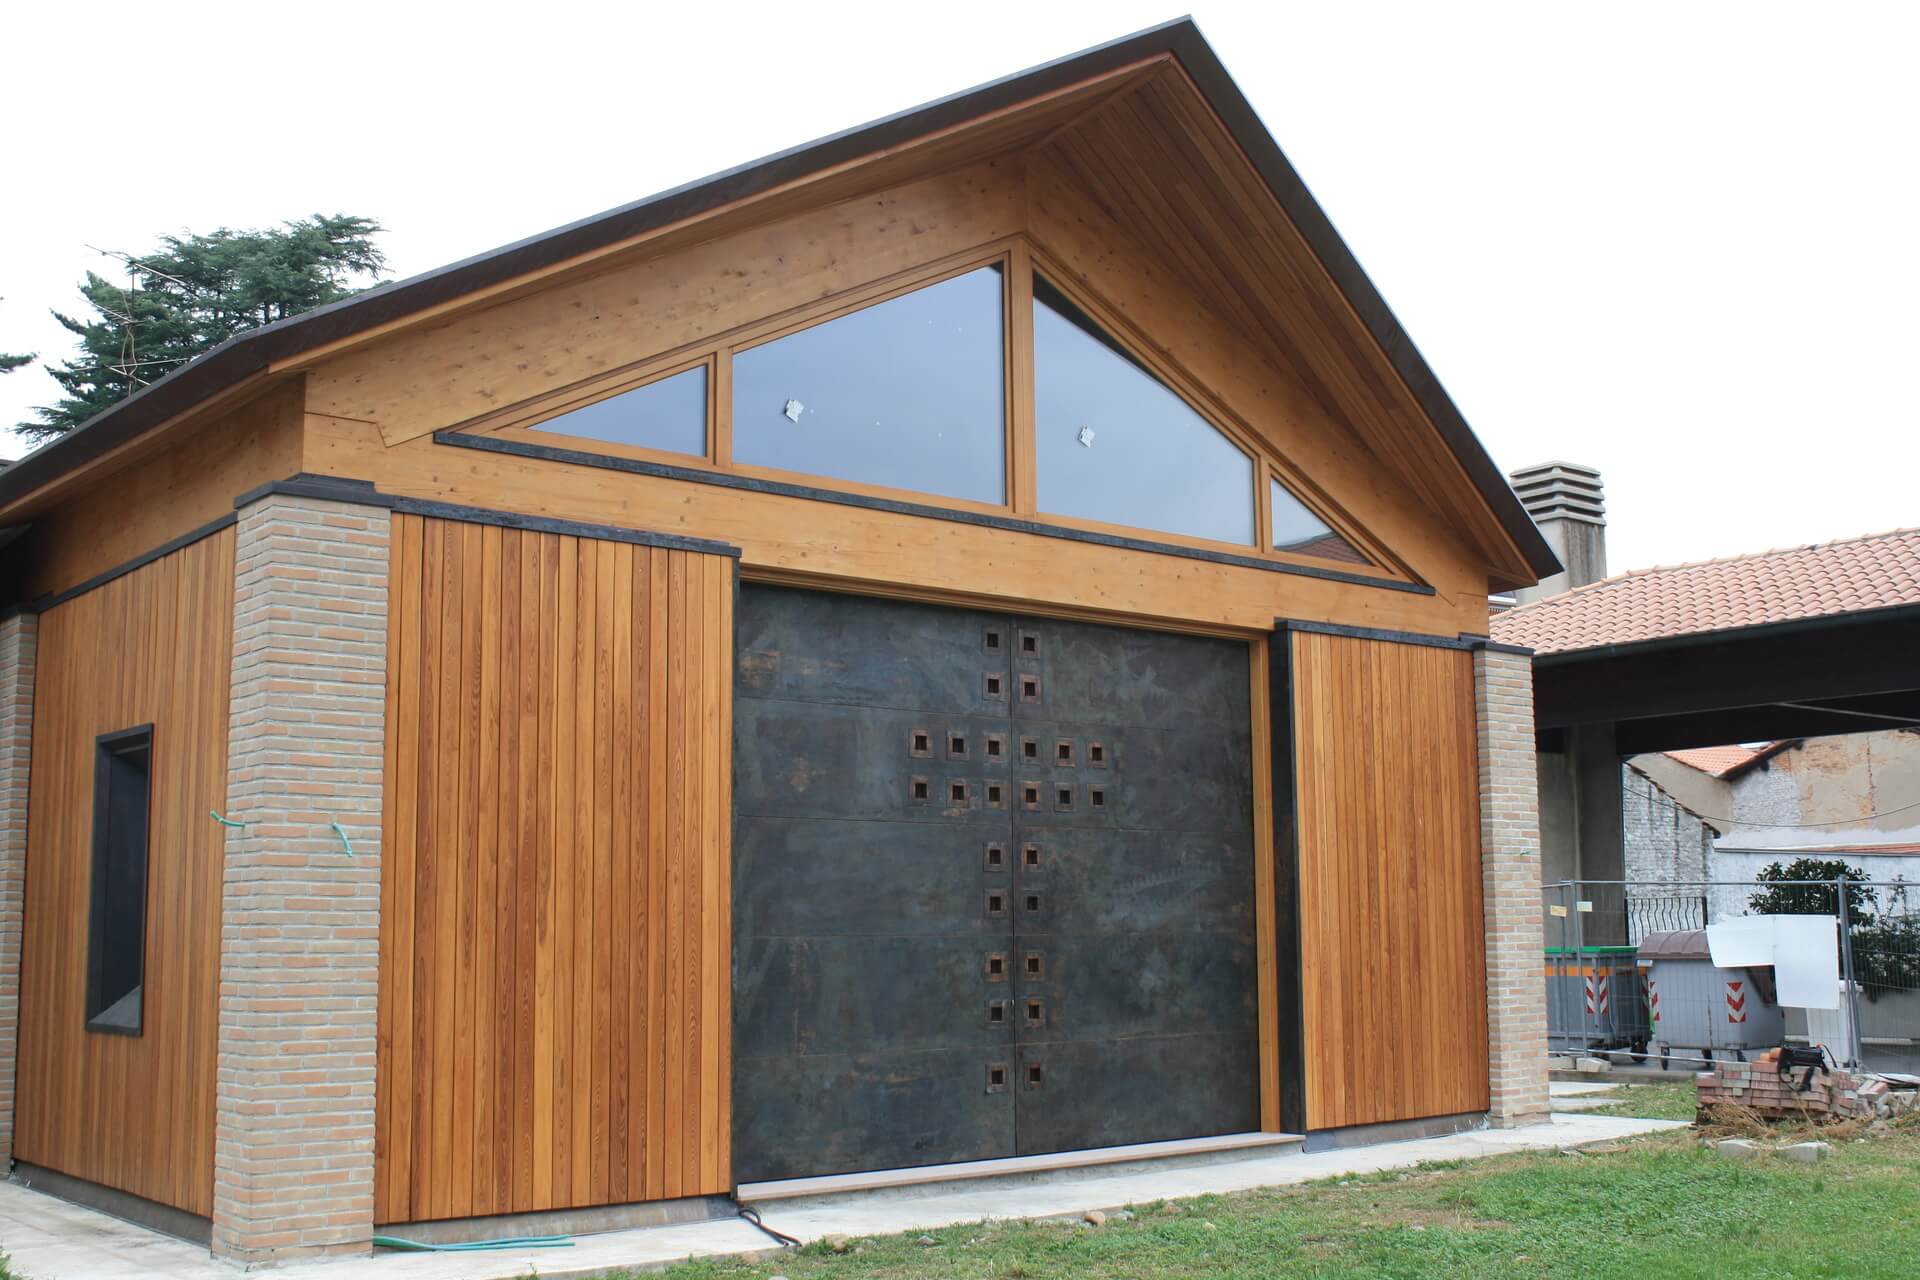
(1714, 760)
(1874, 572)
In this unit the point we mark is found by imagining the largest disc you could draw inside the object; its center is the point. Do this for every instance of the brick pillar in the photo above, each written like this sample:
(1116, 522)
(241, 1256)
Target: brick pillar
(1510, 884)
(18, 638)
(300, 922)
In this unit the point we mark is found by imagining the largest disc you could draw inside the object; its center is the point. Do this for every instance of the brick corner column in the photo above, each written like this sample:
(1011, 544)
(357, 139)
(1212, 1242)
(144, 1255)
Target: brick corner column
(1510, 885)
(300, 917)
(19, 637)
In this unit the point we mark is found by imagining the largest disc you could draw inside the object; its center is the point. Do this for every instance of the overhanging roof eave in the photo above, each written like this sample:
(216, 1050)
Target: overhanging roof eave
(257, 350)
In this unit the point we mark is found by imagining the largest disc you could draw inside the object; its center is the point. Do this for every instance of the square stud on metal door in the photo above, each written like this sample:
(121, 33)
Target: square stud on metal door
(1036, 1075)
(1063, 753)
(1036, 1013)
(1036, 966)
(1030, 753)
(996, 1077)
(1063, 799)
(997, 904)
(920, 744)
(996, 795)
(1030, 796)
(922, 791)
(996, 966)
(1029, 688)
(996, 1013)
(959, 794)
(1096, 755)
(994, 686)
(1030, 856)
(995, 746)
(996, 857)
(992, 641)
(1029, 643)
(956, 745)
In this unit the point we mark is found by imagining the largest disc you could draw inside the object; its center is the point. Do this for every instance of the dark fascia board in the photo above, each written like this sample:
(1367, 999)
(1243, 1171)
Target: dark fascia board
(252, 352)
(1762, 631)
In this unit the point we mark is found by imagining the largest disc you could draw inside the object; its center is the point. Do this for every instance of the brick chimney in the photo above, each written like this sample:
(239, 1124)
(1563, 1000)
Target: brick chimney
(1568, 503)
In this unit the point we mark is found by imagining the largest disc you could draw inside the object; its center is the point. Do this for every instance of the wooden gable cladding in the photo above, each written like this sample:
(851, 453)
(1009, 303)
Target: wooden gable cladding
(443, 374)
(1157, 158)
(554, 1008)
(165, 492)
(1393, 961)
(135, 1113)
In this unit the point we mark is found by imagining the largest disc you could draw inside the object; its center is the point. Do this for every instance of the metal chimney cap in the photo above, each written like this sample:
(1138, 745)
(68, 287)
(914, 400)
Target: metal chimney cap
(1562, 491)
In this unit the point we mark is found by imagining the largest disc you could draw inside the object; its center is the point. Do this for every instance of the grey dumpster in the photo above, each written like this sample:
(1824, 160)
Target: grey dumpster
(1697, 1007)
(1595, 1000)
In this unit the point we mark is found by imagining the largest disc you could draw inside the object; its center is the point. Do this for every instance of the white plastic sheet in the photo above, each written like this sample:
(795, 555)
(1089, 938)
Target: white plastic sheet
(1803, 951)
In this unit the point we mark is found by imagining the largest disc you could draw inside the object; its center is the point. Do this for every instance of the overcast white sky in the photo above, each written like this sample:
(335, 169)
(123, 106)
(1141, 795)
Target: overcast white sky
(1679, 242)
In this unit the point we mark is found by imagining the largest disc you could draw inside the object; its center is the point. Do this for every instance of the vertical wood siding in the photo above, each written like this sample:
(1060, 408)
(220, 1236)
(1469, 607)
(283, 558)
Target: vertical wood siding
(131, 1112)
(1394, 967)
(555, 961)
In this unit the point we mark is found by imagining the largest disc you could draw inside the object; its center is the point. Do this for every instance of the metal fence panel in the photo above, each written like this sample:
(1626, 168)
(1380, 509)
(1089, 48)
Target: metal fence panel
(1598, 988)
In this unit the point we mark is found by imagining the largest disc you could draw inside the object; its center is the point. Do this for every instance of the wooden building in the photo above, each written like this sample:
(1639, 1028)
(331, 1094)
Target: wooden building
(960, 641)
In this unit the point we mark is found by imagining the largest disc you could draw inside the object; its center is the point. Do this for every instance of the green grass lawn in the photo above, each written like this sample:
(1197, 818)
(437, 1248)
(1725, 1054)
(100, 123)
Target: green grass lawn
(1667, 1100)
(1657, 1207)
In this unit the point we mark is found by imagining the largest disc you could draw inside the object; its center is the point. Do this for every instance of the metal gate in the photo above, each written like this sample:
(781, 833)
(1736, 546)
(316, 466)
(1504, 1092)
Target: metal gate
(993, 886)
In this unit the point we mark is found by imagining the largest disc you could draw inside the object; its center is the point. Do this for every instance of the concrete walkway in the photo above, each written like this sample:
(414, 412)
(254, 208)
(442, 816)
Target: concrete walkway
(50, 1239)
(1567, 1095)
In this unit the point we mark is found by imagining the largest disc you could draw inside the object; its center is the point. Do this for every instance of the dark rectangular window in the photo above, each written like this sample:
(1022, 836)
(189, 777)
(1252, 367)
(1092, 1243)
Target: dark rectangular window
(117, 918)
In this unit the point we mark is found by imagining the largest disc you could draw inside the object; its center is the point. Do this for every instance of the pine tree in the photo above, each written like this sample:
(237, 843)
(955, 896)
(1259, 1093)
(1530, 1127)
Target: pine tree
(193, 293)
(9, 363)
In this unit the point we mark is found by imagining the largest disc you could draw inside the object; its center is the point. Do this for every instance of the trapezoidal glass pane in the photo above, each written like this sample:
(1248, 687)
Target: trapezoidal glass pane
(1116, 444)
(1298, 530)
(669, 415)
(909, 393)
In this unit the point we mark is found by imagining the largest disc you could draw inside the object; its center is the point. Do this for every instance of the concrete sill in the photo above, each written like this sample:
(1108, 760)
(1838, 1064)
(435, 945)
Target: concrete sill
(1021, 1168)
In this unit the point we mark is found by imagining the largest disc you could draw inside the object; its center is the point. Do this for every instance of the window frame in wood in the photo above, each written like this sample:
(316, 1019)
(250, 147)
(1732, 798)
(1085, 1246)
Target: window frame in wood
(1018, 259)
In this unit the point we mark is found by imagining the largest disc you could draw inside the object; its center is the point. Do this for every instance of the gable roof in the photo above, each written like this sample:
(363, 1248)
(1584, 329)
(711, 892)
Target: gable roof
(252, 354)
(1878, 571)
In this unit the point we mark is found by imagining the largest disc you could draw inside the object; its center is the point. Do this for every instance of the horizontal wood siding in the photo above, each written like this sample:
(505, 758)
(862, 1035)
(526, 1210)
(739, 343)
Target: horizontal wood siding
(1394, 967)
(131, 1112)
(555, 957)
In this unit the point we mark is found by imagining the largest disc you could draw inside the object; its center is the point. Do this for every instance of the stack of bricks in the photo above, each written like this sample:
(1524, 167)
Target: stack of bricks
(1840, 1094)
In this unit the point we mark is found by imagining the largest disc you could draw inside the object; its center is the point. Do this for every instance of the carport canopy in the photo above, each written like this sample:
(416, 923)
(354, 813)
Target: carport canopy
(1800, 642)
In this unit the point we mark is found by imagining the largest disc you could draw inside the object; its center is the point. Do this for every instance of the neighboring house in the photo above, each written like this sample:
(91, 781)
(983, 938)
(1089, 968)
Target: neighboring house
(962, 640)
(1854, 798)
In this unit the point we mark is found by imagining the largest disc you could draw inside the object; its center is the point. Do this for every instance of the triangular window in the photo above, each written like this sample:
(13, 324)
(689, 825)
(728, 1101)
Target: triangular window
(1117, 445)
(1297, 529)
(669, 415)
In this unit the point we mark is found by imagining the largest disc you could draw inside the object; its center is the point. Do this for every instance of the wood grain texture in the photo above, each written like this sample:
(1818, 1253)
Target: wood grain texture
(168, 493)
(130, 1112)
(873, 552)
(555, 961)
(1393, 960)
(1159, 159)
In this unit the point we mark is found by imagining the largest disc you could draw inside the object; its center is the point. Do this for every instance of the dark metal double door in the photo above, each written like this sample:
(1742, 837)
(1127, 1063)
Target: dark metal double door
(993, 886)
